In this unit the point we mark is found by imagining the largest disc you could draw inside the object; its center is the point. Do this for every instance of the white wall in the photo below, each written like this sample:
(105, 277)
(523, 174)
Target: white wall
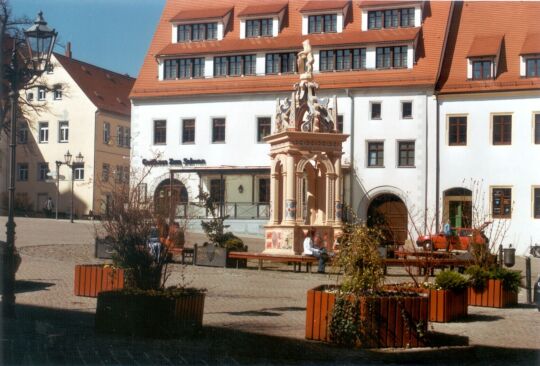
(514, 165)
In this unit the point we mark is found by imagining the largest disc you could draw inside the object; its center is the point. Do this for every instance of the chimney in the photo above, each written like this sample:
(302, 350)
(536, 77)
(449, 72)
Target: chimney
(68, 50)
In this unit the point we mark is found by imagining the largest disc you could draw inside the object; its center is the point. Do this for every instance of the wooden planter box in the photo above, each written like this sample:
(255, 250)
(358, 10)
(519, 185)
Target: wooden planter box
(212, 256)
(91, 279)
(149, 314)
(447, 305)
(493, 295)
(395, 321)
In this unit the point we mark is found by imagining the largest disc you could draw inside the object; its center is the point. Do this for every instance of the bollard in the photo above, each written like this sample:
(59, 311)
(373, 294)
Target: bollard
(509, 256)
(528, 278)
(500, 259)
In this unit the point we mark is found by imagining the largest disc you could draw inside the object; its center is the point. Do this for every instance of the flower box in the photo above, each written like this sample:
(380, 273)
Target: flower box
(153, 313)
(492, 295)
(447, 305)
(394, 321)
(91, 279)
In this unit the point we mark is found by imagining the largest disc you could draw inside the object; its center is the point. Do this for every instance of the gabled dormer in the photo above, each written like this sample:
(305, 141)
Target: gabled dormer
(200, 25)
(391, 14)
(324, 16)
(483, 57)
(262, 20)
(529, 57)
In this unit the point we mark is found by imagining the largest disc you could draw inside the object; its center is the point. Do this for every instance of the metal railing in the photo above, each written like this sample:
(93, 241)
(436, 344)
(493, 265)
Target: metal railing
(235, 210)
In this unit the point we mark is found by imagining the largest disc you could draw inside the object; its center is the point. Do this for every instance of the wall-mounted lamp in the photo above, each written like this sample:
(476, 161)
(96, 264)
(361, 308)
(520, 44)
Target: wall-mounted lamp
(240, 189)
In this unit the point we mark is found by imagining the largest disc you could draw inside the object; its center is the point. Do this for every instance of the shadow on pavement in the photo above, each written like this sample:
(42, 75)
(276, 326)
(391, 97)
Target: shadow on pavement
(42, 335)
(479, 318)
(31, 286)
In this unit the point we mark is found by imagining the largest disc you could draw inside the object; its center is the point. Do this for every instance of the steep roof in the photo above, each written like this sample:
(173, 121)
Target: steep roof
(483, 26)
(263, 9)
(107, 90)
(430, 38)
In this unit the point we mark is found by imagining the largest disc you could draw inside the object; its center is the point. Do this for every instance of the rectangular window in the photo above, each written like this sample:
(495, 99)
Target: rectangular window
(63, 131)
(342, 60)
(160, 132)
(120, 136)
(78, 171)
(502, 130)
(263, 128)
(217, 190)
(457, 131)
(170, 68)
(106, 133)
(43, 170)
(118, 174)
(197, 32)
(259, 28)
(376, 108)
(537, 128)
(340, 123)
(127, 137)
(391, 18)
(375, 19)
(391, 57)
(406, 153)
(42, 93)
(105, 172)
(249, 65)
(407, 17)
(406, 110)
(43, 132)
(188, 131)
(22, 133)
(536, 203)
(532, 67)
(57, 94)
(501, 203)
(22, 172)
(375, 154)
(218, 130)
(482, 69)
(326, 23)
(280, 63)
(264, 190)
(184, 68)
(234, 65)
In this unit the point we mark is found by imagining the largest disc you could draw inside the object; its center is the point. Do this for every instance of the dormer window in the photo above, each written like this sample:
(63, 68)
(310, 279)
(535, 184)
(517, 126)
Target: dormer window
(326, 23)
(530, 57)
(482, 69)
(391, 57)
(391, 18)
(197, 32)
(533, 67)
(483, 57)
(259, 28)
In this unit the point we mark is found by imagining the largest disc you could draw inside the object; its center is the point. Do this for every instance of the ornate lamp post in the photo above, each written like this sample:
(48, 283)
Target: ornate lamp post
(34, 53)
(79, 160)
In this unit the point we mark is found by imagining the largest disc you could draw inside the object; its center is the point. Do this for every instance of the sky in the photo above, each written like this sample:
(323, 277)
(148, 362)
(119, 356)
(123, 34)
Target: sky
(113, 34)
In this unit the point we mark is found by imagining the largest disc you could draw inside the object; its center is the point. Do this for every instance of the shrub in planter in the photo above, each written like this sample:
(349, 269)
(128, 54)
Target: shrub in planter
(360, 312)
(493, 287)
(448, 297)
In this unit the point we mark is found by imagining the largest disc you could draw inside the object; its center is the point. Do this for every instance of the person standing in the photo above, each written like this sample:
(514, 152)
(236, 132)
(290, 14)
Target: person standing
(49, 207)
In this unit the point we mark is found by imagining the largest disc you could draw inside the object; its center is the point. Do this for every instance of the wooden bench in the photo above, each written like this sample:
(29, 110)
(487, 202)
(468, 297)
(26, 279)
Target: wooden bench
(425, 264)
(296, 260)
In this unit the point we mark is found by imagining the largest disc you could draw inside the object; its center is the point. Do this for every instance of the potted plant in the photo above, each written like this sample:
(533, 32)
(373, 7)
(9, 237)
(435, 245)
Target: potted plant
(145, 306)
(448, 297)
(215, 252)
(493, 286)
(360, 312)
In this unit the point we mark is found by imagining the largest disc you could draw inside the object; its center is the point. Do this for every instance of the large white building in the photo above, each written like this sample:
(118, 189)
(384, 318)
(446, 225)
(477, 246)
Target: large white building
(206, 97)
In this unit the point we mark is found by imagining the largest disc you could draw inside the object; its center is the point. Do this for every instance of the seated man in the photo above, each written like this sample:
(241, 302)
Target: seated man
(310, 249)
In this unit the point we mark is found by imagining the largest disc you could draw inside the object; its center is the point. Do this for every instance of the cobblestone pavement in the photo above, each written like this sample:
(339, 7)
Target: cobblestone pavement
(251, 317)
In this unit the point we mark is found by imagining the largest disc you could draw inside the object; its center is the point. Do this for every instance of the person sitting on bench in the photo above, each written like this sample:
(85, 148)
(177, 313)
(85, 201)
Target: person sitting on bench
(310, 249)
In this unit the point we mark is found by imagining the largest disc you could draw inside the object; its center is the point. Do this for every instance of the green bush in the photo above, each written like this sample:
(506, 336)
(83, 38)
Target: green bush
(450, 280)
(235, 244)
(479, 276)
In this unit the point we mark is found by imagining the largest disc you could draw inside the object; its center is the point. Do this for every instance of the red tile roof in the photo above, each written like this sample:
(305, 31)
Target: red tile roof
(515, 20)
(485, 46)
(293, 42)
(107, 90)
(429, 38)
(263, 9)
(207, 13)
(531, 44)
(321, 5)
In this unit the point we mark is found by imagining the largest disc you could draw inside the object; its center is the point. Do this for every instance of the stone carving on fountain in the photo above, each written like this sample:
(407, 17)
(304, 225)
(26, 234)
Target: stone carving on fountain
(304, 111)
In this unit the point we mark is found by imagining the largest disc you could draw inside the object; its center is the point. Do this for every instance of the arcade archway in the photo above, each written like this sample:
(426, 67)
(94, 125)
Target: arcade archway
(389, 213)
(168, 195)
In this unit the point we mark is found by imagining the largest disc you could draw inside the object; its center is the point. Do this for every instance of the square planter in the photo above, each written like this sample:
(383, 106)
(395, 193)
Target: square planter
(149, 314)
(91, 279)
(394, 321)
(212, 256)
(493, 295)
(447, 305)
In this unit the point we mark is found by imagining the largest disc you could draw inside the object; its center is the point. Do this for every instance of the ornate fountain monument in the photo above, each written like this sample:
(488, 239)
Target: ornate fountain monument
(306, 178)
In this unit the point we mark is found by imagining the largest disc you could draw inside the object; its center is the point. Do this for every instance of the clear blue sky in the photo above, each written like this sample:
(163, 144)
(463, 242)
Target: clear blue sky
(114, 34)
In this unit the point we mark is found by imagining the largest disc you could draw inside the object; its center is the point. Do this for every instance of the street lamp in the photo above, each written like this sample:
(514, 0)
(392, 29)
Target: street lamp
(79, 160)
(35, 53)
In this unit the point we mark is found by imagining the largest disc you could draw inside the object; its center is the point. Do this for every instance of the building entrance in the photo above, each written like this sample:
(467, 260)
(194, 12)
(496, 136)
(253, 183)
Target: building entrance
(388, 213)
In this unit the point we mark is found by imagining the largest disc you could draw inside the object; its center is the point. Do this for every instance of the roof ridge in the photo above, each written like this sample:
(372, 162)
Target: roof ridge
(92, 65)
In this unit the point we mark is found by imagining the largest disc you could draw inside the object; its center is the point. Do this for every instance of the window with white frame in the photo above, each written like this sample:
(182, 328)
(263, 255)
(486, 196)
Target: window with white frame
(197, 32)
(63, 131)
(57, 93)
(482, 69)
(78, 171)
(406, 110)
(391, 57)
(235, 65)
(218, 130)
(406, 154)
(391, 18)
(322, 23)
(183, 68)
(188, 131)
(42, 93)
(532, 66)
(259, 27)
(283, 63)
(375, 154)
(537, 128)
(43, 132)
(375, 110)
(342, 60)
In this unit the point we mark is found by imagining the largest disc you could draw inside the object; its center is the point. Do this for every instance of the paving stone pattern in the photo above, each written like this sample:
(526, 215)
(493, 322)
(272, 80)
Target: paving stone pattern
(251, 317)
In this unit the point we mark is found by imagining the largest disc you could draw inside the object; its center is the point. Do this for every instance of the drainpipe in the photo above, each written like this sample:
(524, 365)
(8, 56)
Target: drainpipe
(351, 166)
(437, 166)
(427, 165)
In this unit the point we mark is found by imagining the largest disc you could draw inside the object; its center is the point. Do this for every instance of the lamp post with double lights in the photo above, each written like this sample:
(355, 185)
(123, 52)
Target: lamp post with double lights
(79, 160)
(29, 59)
